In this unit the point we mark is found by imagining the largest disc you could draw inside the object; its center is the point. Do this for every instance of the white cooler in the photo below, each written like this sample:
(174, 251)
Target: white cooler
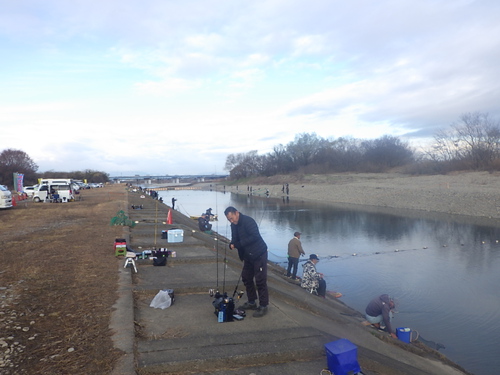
(175, 235)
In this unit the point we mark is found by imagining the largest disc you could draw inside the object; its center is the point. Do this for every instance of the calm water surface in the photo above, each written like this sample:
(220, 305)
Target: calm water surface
(444, 275)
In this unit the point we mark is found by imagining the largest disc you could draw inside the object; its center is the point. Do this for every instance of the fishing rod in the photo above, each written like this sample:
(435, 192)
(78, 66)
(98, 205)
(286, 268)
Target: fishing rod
(240, 293)
(156, 220)
(224, 305)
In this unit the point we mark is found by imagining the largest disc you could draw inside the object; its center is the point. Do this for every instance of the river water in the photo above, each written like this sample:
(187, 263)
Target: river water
(443, 274)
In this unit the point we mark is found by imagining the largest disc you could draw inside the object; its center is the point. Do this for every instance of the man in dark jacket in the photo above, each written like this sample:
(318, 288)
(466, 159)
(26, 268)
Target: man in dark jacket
(203, 223)
(380, 309)
(252, 250)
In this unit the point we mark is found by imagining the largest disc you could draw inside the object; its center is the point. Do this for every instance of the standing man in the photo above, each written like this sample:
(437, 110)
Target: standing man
(252, 250)
(173, 203)
(294, 252)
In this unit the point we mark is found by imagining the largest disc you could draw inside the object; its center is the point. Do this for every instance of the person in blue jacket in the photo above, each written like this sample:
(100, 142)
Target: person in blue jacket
(252, 250)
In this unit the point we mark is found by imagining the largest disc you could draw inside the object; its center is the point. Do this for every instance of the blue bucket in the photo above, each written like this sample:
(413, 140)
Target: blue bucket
(405, 334)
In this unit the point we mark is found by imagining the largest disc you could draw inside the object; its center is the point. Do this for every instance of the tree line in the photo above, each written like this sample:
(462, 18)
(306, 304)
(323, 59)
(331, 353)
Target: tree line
(471, 143)
(17, 161)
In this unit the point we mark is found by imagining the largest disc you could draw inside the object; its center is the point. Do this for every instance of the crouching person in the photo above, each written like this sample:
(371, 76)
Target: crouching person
(311, 279)
(379, 311)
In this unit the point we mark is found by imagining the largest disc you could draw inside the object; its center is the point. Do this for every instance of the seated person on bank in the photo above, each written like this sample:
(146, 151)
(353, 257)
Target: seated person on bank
(203, 223)
(380, 310)
(311, 279)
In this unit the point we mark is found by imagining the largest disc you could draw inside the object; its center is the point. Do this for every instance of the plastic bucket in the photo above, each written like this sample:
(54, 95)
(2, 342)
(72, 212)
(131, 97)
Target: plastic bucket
(405, 334)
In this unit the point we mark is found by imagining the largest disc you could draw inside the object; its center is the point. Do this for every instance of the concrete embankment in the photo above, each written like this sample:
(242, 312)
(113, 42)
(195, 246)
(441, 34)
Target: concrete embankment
(187, 339)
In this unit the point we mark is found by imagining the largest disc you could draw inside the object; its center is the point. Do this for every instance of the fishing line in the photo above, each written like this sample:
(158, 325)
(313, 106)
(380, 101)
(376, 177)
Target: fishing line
(264, 210)
(184, 209)
(345, 256)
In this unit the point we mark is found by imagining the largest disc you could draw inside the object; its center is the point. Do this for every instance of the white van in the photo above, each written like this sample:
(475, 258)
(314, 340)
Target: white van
(59, 181)
(47, 181)
(54, 193)
(5, 197)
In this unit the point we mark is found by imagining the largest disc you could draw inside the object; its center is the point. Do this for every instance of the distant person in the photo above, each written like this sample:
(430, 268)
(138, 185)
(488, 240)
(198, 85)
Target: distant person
(380, 310)
(252, 250)
(312, 280)
(295, 250)
(173, 203)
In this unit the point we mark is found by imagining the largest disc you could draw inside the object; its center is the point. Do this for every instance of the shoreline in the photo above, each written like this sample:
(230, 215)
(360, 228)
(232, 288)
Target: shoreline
(471, 197)
(331, 316)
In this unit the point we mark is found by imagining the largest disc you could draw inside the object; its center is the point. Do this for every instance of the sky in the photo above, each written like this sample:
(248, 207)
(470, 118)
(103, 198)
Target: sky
(166, 87)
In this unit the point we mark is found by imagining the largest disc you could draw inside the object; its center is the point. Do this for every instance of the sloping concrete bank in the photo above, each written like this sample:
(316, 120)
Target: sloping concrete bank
(186, 338)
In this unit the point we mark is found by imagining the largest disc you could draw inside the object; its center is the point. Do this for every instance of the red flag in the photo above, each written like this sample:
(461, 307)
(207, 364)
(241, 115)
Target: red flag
(169, 217)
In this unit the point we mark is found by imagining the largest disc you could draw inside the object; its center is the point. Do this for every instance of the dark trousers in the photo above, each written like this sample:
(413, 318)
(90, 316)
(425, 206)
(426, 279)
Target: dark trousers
(321, 288)
(257, 270)
(293, 263)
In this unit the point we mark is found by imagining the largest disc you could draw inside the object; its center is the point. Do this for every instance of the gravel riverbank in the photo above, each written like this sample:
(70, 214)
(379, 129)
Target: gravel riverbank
(471, 196)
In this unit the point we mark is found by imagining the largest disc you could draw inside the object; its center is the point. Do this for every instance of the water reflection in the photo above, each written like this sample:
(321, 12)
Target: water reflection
(444, 274)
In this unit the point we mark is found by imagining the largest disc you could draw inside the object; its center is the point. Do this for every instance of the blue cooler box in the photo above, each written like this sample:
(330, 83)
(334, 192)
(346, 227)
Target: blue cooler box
(342, 357)
(175, 235)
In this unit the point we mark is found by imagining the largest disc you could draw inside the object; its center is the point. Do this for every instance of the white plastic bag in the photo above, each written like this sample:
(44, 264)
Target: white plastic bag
(162, 300)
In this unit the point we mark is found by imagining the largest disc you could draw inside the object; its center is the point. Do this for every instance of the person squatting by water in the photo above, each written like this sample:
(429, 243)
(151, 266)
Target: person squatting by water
(380, 310)
(252, 250)
(203, 223)
(295, 250)
(311, 279)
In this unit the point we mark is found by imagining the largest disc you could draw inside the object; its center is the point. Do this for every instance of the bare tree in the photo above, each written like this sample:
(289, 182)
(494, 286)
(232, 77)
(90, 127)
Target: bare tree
(343, 154)
(304, 149)
(474, 140)
(387, 152)
(244, 164)
(278, 161)
(16, 161)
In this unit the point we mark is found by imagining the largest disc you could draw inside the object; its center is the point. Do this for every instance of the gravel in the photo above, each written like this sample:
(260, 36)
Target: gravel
(473, 196)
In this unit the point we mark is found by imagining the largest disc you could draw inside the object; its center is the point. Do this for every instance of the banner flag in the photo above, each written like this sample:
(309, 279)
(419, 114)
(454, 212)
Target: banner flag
(18, 182)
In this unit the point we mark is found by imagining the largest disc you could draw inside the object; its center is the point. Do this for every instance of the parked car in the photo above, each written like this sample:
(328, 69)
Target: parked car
(30, 190)
(5, 197)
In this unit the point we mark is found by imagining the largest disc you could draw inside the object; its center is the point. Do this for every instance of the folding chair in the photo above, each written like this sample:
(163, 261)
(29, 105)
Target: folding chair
(130, 259)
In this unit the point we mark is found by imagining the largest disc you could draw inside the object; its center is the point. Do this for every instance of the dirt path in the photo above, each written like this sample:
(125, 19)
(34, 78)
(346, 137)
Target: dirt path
(58, 283)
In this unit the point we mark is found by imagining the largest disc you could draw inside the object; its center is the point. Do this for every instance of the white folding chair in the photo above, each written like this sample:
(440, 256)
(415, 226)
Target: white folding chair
(130, 259)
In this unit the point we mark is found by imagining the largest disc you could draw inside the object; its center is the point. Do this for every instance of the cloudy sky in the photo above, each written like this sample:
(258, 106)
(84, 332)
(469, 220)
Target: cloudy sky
(173, 87)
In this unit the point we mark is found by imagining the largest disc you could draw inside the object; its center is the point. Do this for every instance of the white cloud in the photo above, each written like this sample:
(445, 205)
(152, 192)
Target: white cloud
(200, 80)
